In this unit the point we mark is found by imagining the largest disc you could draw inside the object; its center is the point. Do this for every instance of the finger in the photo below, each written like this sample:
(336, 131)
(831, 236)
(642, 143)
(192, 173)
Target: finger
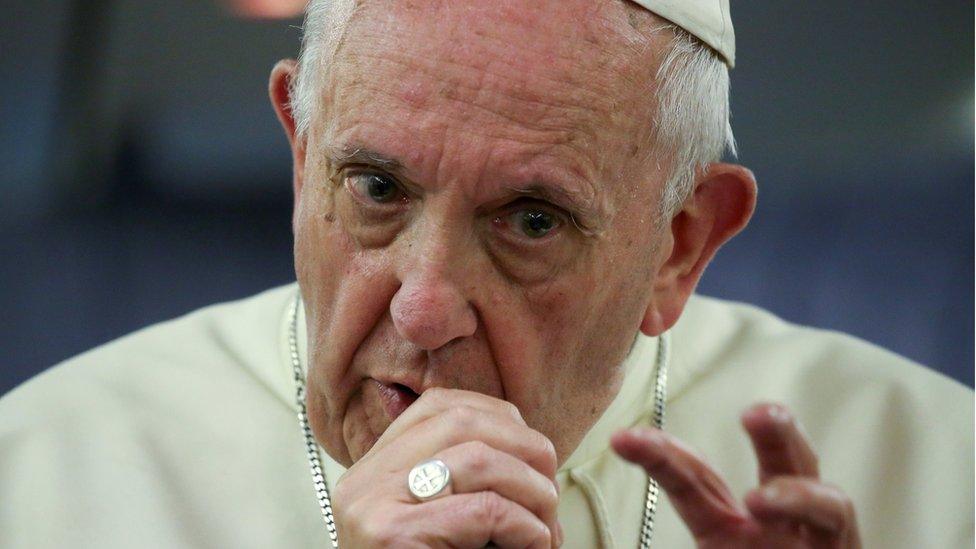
(461, 424)
(826, 510)
(477, 467)
(781, 447)
(435, 401)
(696, 491)
(474, 520)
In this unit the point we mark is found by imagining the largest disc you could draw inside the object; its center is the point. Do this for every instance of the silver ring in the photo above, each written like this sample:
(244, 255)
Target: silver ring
(428, 479)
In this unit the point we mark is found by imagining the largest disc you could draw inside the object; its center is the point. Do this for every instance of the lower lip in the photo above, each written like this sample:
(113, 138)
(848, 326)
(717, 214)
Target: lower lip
(396, 398)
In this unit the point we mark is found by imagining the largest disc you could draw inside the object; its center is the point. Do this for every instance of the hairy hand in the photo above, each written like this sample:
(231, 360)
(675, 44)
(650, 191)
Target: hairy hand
(791, 507)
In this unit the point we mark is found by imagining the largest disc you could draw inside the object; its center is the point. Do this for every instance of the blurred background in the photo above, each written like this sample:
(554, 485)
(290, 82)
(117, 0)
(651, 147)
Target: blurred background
(143, 173)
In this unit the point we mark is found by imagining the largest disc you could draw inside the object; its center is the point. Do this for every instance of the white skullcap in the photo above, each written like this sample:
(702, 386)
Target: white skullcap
(708, 20)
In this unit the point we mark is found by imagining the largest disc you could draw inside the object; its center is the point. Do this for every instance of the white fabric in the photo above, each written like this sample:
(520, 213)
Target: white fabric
(709, 20)
(184, 435)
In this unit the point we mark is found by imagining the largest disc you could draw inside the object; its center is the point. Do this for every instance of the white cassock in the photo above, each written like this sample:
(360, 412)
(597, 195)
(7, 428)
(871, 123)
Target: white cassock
(185, 435)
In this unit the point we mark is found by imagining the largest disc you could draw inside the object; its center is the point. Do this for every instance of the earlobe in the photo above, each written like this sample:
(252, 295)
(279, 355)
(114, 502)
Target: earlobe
(721, 206)
(653, 324)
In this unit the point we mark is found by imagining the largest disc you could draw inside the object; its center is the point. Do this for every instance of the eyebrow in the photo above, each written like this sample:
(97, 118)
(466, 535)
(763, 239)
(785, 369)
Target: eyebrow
(588, 213)
(362, 155)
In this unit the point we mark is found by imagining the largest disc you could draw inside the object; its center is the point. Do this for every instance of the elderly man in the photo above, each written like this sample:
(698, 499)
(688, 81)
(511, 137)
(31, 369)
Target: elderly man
(501, 212)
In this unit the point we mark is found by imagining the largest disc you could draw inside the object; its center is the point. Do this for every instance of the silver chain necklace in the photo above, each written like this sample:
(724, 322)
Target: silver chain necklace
(315, 462)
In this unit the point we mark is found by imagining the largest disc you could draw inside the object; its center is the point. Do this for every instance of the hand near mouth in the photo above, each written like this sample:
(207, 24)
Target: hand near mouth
(502, 489)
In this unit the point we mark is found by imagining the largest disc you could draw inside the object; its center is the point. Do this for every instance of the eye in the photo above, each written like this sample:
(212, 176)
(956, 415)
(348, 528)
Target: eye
(532, 222)
(375, 187)
(536, 224)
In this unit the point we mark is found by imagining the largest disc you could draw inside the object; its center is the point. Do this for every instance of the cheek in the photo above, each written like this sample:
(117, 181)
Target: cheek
(579, 325)
(331, 266)
(554, 358)
(346, 291)
(316, 238)
(562, 306)
(537, 334)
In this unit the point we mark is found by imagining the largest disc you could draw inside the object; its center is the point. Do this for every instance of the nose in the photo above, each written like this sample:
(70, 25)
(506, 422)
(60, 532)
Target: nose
(430, 311)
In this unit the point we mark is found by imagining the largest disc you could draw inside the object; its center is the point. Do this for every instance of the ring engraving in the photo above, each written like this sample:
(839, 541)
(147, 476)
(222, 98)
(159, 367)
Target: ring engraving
(428, 479)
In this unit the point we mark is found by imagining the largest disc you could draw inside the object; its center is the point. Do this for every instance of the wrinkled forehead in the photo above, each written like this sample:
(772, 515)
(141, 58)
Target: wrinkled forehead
(571, 37)
(568, 18)
(582, 67)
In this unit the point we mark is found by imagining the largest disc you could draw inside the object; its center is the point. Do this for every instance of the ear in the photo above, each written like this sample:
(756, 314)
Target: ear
(720, 207)
(279, 88)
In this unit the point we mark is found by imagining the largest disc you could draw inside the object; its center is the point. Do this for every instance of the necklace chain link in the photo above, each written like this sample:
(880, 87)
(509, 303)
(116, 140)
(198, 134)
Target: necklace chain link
(315, 462)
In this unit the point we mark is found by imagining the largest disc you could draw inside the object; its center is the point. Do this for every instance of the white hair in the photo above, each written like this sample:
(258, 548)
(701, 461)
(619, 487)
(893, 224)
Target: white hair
(693, 115)
(691, 122)
(325, 25)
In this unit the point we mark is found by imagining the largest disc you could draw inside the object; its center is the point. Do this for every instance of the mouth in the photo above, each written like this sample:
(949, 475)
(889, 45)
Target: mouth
(396, 397)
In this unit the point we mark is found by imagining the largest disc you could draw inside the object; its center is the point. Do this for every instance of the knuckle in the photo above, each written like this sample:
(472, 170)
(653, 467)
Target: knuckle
(543, 536)
(476, 455)
(511, 410)
(434, 396)
(545, 451)
(489, 507)
(378, 533)
(352, 513)
(462, 418)
(355, 522)
(550, 499)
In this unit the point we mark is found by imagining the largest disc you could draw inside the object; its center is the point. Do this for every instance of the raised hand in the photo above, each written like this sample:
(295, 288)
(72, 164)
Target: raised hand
(502, 490)
(791, 507)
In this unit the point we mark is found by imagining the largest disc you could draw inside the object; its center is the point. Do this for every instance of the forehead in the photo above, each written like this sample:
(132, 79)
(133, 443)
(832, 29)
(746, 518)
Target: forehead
(572, 75)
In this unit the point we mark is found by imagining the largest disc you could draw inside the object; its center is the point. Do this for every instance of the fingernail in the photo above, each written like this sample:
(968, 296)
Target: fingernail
(770, 492)
(780, 415)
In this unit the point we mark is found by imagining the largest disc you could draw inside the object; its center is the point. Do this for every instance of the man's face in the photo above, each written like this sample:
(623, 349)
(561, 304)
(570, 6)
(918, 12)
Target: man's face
(478, 211)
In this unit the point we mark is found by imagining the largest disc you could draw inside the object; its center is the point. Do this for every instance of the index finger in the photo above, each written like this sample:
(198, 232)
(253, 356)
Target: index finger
(780, 444)
(696, 491)
(435, 401)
